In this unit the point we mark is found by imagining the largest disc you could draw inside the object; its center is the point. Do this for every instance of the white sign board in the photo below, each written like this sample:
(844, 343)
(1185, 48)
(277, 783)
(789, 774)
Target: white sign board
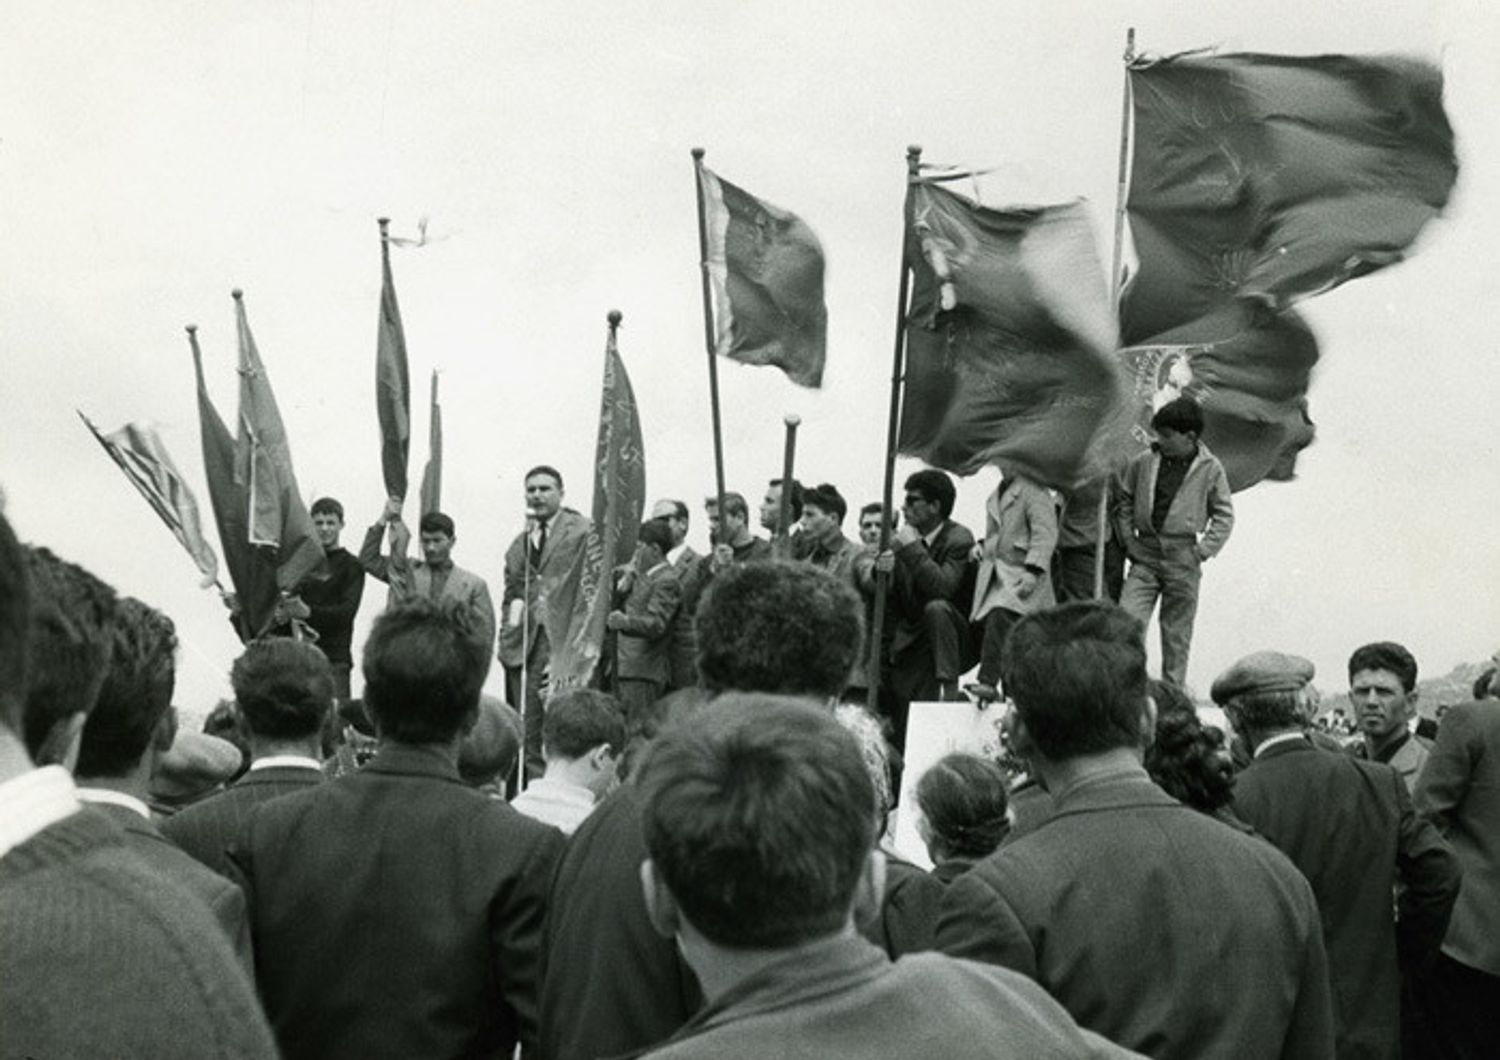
(932, 731)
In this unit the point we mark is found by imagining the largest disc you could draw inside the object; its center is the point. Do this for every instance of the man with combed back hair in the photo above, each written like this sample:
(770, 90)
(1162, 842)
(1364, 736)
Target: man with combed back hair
(397, 911)
(758, 818)
(1154, 925)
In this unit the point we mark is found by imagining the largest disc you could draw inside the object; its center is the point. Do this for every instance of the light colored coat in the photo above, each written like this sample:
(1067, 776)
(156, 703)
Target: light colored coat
(1202, 509)
(412, 578)
(1020, 533)
(567, 533)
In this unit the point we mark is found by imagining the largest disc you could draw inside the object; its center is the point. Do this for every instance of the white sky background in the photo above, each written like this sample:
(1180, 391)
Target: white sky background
(155, 155)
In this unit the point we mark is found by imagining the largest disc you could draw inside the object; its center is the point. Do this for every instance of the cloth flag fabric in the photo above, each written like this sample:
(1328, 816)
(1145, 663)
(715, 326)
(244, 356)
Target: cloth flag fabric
(278, 517)
(1259, 180)
(140, 454)
(578, 606)
(392, 382)
(765, 268)
(1010, 341)
(432, 473)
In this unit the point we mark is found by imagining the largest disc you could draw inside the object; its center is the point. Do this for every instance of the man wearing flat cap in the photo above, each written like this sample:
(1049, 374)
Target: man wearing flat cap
(1349, 826)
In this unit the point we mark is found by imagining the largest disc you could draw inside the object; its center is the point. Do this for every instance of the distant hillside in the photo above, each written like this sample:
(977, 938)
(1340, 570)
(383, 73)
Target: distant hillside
(1456, 686)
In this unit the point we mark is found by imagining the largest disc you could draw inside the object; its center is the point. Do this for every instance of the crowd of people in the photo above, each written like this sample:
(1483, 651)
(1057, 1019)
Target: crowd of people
(690, 859)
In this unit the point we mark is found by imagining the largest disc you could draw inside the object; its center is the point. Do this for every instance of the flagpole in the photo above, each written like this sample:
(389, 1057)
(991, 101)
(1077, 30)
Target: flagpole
(708, 340)
(893, 426)
(1122, 181)
(783, 516)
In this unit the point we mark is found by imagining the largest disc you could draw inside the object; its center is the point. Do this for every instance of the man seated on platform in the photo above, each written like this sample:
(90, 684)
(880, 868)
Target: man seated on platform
(733, 541)
(582, 737)
(869, 523)
(758, 816)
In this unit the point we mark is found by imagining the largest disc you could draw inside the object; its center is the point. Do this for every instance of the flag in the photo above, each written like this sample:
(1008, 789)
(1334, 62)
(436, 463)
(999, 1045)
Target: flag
(392, 383)
(432, 474)
(139, 452)
(1010, 341)
(765, 271)
(278, 518)
(576, 609)
(252, 573)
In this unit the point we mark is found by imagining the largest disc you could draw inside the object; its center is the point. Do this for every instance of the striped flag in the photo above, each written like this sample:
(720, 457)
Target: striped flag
(138, 451)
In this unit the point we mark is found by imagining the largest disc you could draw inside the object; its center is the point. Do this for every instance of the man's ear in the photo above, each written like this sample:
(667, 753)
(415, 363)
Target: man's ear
(869, 893)
(1018, 735)
(661, 907)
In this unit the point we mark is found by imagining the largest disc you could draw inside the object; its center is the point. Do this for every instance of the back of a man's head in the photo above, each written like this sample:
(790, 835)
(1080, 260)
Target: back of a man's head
(15, 629)
(283, 688)
(136, 693)
(1077, 675)
(786, 628)
(422, 673)
(759, 818)
(580, 720)
(70, 640)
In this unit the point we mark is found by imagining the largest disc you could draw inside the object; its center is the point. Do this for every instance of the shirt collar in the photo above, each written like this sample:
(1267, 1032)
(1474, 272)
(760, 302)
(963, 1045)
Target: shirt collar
(659, 566)
(930, 538)
(1272, 741)
(34, 801)
(675, 554)
(285, 762)
(111, 797)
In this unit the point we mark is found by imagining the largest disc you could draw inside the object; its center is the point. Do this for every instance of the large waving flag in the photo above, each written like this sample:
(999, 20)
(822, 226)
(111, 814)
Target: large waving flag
(765, 269)
(1265, 179)
(576, 609)
(139, 453)
(432, 473)
(392, 381)
(1010, 341)
(278, 517)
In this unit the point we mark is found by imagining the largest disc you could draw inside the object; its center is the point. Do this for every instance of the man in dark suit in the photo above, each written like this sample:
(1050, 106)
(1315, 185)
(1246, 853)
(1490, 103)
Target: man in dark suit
(643, 646)
(397, 911)
(538, 558)
(283, 691)
(1350, 828)
(692, 574)
(1155, 925)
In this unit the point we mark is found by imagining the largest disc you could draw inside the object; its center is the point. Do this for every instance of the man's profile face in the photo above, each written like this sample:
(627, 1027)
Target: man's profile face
(713, 522)
(817, 522)
(543, 496)
(869, 528)
(770, 508)
(1381, 705)
(436, 546)
(922, 515)
(1176, 444)
(678, 524)
(328, 527)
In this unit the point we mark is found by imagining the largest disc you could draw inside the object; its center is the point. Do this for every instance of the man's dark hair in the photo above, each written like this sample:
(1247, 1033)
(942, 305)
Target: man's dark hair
(489, 751)
(794, 502)
(15, 629)
(1077, 674)
(1385, 655)
(876, 508)
(656, 532)
(327, 506)
(579, 720)
(935, 487)
(1180, 414)
(964, 798)
(544, 469)
(136, 693)
(436, 523)
(1185, 758)
(72, 616)
(679, 510)
(778, 627)
(423, 669)
(757, 815)
(283, 688)
(734, 504)
(829, 499)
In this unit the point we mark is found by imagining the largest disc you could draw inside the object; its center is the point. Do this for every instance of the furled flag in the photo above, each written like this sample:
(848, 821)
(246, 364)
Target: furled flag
(263, 467)
(392, 382)
(139, 452)
(251, 572)
(765, 271)
(432, 473)
(1267, 179)
(1010, 341)
(575, 610)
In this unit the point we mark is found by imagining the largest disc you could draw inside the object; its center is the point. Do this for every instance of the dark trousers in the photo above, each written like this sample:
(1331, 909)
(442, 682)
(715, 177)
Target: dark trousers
(930, 656)
(995, 625)
(341, 673)
(1456, 1010)
(637, 698)
(532, 712)
(1073, 572)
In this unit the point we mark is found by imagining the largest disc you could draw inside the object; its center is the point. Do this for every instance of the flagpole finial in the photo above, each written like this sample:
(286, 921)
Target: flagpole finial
(192, 329)
(698, 154)
(237, 294)
(384, 223)
(614, 318)
(791, 419)
(914, 151)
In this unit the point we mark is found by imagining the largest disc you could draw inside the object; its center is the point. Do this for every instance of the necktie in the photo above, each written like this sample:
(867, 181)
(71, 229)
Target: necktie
(541, 543)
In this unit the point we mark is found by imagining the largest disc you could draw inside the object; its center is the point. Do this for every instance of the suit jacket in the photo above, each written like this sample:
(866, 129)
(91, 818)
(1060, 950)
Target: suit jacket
(943, 571)
(410, 578)
(841, 997)
(644, 646)
(1020, 533)
(1460, 790)
(1349, 827)
(1154, 925)
(397, 912)
(530, 582)
(223, 898)
(206, 830)
(692, 576)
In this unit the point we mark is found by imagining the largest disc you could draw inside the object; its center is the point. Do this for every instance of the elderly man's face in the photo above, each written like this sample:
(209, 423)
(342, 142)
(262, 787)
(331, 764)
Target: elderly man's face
(1381, 706)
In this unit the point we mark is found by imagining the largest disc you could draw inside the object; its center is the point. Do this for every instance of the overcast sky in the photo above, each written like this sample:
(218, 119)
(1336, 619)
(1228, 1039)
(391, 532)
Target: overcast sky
(155, 155)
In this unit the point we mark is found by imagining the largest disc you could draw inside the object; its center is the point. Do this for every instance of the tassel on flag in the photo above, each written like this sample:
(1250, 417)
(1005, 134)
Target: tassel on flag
(392, 381)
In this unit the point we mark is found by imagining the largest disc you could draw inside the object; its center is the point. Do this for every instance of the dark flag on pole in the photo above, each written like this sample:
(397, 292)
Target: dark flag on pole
(1010, 341)
(140, 454)
(576, 609)
(432, 473)
(765, 268)
(392, 382)
(1259, 180)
